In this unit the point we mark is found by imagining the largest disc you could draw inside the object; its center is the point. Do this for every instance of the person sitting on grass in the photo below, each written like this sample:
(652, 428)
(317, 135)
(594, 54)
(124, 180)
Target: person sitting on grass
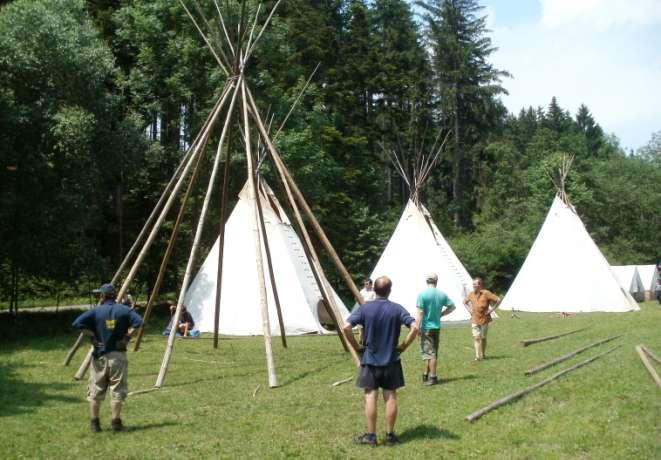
(186, 322)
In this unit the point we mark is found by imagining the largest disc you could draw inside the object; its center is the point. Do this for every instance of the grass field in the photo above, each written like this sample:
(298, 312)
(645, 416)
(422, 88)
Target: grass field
(608, 409)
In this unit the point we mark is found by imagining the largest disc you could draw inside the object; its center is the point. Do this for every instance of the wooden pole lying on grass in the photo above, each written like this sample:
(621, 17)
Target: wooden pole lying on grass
(479, 413)
(340, 382)
(139, 392)
(525, 343)
(562, 358)
(650, 354)
(647, 364)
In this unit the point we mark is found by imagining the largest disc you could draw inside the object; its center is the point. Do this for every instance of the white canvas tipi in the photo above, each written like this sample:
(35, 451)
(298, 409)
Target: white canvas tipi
(300, 298)
(415, 249)
(565, 271)
(649, 276)
(629, 279)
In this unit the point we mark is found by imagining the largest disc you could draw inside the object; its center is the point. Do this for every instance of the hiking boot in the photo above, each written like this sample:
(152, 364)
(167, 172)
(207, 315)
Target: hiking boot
(432, 381)
(116, 424)
(365, 438)
(425, 377)
(95, 425)
(391, 439)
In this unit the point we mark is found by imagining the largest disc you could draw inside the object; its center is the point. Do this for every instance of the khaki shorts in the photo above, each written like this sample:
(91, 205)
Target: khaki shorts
(109, 371)
(429, 343)
(479, 332)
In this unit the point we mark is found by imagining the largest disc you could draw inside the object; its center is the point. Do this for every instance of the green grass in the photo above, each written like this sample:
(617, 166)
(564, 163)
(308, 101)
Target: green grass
(608, 409)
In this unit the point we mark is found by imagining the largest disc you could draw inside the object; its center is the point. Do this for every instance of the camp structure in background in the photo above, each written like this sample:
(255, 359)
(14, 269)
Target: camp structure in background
(565, 271)
(300, 298)
(417, 247)
(629, 279)
(649, 276)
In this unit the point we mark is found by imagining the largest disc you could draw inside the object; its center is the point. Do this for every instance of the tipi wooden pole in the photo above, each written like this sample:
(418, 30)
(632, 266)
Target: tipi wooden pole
(80, 373)
(269, 263)
(562, 358)
(316, 266)
(479, 413)
(650, 354)
(648, 365)
(525, 343)
(168, 252)
(221, 239)
(308, 212)
(74, 348)
(266, 327)
(234, 85)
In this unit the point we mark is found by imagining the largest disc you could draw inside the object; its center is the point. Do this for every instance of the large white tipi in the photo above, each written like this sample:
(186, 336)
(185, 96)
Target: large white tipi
(300, 299)
(629, 279)
(565, 271)
(415, 249)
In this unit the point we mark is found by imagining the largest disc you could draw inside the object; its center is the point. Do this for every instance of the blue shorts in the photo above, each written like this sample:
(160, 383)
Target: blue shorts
(388, 377)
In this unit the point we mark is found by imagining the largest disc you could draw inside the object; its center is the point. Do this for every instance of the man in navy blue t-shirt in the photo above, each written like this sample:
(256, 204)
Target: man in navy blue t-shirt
(380, 366)
(110, 326)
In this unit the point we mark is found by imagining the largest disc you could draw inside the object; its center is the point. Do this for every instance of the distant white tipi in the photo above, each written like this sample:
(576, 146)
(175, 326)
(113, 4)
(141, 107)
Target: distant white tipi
(299, 295)
(417, 247)
(629, 279)
(649, 275)
(565, 271)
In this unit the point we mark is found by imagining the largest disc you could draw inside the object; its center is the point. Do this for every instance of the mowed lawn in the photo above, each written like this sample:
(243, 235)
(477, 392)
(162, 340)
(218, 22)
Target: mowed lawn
(208, 408)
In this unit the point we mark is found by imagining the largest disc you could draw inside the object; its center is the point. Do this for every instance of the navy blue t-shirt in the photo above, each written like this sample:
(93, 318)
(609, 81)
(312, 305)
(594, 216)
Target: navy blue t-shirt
(110, 322)
(381, 320)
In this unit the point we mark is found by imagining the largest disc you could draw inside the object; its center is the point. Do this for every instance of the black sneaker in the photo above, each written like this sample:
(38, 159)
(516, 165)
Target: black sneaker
(365, 438)
(391, 439)
(95, 425)
(432, 381)
(425, 377)
(116, 424)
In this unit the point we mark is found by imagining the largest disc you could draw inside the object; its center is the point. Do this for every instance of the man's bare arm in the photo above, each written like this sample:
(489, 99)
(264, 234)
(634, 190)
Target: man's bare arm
(348, 334)
(410, 337)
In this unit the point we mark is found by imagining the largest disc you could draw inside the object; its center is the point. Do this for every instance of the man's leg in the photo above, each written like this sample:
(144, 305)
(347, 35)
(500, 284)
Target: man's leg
(484, 346)
(432, 367)
(116, 409)
(370, 409)
(477, 342)
(390, 398)
(95, 407)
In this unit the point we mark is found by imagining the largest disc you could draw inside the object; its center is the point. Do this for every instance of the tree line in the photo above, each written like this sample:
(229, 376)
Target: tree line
(100, 98)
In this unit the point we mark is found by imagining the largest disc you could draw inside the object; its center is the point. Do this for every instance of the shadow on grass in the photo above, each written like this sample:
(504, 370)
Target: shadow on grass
(426, 432)
(452, 379)
(19, 396)
(494, 357)
(148, 426)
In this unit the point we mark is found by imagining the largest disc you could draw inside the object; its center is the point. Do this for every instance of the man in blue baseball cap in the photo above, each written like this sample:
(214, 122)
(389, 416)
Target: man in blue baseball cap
(110, 326)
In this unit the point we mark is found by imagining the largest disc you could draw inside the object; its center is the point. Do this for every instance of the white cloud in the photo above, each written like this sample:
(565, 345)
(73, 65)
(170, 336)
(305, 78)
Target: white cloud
(600, 13)
(570, 54)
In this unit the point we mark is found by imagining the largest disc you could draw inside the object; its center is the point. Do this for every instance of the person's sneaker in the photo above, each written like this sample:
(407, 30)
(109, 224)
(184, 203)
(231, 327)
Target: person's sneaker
(432, 381)
(425, 377)
(365, 438)
(95, 425)
(391, 439)
(116, 424)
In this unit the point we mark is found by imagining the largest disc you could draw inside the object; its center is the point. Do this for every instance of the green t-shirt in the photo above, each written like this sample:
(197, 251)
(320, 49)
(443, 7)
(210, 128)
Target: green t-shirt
(432, 301)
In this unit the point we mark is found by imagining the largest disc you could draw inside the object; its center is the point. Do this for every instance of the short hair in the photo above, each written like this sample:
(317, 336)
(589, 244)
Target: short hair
(368, 280)
(382, 286)
(478, 279)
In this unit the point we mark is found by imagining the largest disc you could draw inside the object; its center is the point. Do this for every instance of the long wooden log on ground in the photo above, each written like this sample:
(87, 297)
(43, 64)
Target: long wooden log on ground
(648, 365)
(340, 382)
(479, 413)
(525, 343)
(562, 358)
(143, 391)
(650, 354)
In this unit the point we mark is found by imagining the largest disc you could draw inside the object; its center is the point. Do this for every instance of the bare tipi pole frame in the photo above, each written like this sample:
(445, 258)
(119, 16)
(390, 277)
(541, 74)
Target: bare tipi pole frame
(235, 93)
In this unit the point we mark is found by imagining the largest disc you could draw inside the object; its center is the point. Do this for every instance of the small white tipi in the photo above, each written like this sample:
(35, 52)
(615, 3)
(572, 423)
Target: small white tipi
(415, 249)
(629, 279)
(300, 298)
(649, 276)
(565, 271)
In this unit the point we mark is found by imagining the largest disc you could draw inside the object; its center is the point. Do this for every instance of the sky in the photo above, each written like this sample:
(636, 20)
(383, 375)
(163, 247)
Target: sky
(605, 54)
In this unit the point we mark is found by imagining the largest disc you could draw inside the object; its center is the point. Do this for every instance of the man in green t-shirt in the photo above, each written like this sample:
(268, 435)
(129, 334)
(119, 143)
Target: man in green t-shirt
(432, 304)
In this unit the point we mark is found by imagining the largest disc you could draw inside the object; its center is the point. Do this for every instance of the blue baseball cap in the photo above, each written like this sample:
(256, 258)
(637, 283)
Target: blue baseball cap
(107, 289)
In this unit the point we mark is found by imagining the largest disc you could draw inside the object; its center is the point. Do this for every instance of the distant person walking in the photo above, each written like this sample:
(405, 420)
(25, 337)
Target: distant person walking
(380, 365)
(110, 326)
(432, 304)
(367, 292)
(480, 303)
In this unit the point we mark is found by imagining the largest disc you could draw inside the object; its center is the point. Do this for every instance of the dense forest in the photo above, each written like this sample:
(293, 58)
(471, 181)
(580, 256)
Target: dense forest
(99, 100)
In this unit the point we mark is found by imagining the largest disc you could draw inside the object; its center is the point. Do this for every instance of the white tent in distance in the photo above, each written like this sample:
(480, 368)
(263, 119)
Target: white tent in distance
(415, 249)
(300, 297)
(649, 276)
(565, 271)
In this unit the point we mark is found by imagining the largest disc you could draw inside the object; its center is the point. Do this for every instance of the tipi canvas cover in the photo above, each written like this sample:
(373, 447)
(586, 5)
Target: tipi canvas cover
(649, 275)
(300, 298)
(629, 279)
(565, 271)
(415, 249)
